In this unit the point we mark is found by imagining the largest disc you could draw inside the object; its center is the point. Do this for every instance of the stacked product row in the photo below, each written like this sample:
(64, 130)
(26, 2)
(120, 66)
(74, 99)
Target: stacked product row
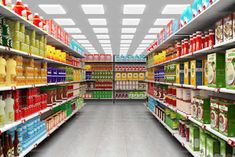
(98, 95)
(130, 85)
(130, 95)
(98, 58)
(198, 140)
(99, 67)
(125, 67)
(131, 76)
(48, 26)
(130, 58)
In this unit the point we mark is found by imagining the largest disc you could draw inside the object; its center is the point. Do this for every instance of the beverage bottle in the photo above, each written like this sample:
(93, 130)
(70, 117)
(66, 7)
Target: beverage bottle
(26, 13)
(36, 20)
(16, 144)
(11, 147)
(2, 71)
(6, 148)
(11, 71)
(9, 109)
(19, 7)
(2, 111)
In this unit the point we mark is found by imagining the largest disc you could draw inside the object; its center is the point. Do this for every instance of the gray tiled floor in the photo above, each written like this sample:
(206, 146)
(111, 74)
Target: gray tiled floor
(111, 130)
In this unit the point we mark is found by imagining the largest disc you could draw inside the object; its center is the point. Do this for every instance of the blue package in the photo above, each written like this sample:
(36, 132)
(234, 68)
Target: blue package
(199, 6)
(194, 8)
(182, 73)
(175, 26)
(205, 4)
(188, 15)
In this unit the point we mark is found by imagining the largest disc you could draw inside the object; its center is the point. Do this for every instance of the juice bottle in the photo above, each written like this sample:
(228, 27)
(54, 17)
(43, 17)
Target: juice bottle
(9, 109)
(36, 20)
(2, 71)
(26, 13)
(16, 144)
(2, 111)
(6, 148)
(1, 151)
(10, 71)
(19, 7)
(11, 147)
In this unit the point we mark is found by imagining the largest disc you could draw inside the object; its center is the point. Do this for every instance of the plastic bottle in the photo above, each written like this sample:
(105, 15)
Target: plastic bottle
(10, 71)
(2, 111)
(26, 13)
(36, 20)
(1, 149)
(16, 144)
(9, 109)
(11, 147)
(6, 148)
(2, 71)
(19, 7)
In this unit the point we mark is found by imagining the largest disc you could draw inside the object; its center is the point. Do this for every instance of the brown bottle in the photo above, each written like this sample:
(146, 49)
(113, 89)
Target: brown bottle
(16, 144)
(1, 151)
(6, 148)
(11, 147)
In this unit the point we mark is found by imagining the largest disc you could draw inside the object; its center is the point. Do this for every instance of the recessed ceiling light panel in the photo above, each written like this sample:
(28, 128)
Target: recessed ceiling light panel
(147, 41)
(78, 36)
(174, 8)
(72, 30)
(130, 22)
(130, 36)
(97, 22)
(128, 30)
(162, 21)
(154, 30)
(134, 9)
(104, 41)
(52, 8)
(100, 36)
(126, 41)
(83, 41)
(100, 30)
(150, 37)
(64, 21)
(93, 8)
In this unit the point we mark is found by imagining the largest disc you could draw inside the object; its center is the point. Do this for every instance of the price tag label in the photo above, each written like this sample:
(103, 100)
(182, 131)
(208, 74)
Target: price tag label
(13, 87)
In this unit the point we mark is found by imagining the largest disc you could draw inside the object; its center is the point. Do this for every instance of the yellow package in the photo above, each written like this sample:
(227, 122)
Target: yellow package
(178, 73)
(186, 73)
(118, 76)
(124, 77)
(141, 76)
(129, 76)
(135, 76)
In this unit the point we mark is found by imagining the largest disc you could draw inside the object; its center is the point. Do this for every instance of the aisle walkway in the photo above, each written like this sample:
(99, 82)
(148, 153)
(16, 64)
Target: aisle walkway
(111, 130)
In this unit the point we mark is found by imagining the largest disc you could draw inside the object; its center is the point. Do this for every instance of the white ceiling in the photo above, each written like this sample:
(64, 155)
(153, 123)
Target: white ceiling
(112, 20)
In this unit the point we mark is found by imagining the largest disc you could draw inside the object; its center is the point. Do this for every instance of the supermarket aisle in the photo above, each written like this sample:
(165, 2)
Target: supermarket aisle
(111, 130)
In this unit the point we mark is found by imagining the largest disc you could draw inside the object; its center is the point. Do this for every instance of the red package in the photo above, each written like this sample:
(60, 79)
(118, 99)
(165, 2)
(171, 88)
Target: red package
(52, 27)
(169, 28)
(58, 32)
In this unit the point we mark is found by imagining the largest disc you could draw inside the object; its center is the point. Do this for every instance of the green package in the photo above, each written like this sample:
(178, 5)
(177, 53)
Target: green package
(203, 109)
(203, 137)
(212, 147)
(216, 70)
(225, 149)
(194, 138)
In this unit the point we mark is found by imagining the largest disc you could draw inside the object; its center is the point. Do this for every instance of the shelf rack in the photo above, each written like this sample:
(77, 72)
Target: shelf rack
(5, 11)
(36, 143)
(229, 140)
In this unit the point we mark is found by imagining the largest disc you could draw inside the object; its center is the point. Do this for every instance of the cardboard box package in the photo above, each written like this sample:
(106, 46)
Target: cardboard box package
(212, 147)
(196, 72)
(194, 138)
(230, 69)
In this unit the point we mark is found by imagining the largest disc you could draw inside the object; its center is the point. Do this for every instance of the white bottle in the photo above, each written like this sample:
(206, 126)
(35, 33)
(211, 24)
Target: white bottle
(9, 109)
(2, 111)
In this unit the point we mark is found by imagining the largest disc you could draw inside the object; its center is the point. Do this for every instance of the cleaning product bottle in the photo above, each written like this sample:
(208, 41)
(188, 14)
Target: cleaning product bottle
(16, 144)
(9, 109)
(27, 14)
(11, 145)
(10, 72)
(2, 111)
(19, 7)
(2, 71)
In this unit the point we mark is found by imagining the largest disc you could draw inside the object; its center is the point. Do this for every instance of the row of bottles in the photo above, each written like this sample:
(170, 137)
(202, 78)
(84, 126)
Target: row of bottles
(6, 110)
(9, 147)
(7, 70)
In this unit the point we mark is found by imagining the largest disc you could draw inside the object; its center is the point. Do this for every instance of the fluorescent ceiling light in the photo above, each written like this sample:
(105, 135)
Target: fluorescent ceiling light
(93, 8)
(90, 48)
(83, 41)
(150, 37)
(87, 45)
(130, 36)
(174, 8)
(125, 45)
(141, 48)
(124, 48)
(99, 36)
(128, 30)
(137, 52)
(126, 41)
(107, 48)
(162, 21)
(130, 22)
(104, 41)
(100, 30)
(134, 9)
(64, 21)
(147, 41)
(144, 45)
(106, 45)
(155, 30)
(72, 30)
(52, 8)
(97, 22)
(78, 36)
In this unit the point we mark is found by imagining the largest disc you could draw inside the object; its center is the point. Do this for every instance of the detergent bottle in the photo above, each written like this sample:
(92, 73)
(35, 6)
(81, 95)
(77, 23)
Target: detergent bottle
(10, 72)
(27, 14)
(2, 111)
(19, 7)
(9, 109)
(2, 71)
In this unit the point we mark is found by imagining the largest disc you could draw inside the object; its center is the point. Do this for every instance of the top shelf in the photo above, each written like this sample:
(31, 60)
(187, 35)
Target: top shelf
(51, 40)
(207, 18)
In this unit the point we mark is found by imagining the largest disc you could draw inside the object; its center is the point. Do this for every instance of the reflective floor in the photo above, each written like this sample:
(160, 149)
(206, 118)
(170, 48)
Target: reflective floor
(103, 129)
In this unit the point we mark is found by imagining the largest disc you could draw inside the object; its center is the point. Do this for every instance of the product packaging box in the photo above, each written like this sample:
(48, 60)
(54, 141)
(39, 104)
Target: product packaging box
(118, 76)
(194, 138)
(230, 69)
(219, 37)
(129, 76)
(205, 72)
(225, 149)
(227, 118)
(228, 27)
(186, 72)
(203, 142)
(196, 72)
(203, 109)
(183, 106)
(141, 76)
(181, 73)
(214, 112)
(212, 147)
(216, 70)
(177, 74)
(135, 76)
(124, 76)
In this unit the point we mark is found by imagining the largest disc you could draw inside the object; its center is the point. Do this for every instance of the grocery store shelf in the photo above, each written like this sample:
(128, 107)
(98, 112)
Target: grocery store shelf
(130, 89)
(130, 62)
(25, 152)
(99, 70)
(198, 23)
(5, 88)
(5, 11)
(98, 98)
(139, 71)
(23, 120)
(130, 98)
(106, 89)
(98, 61)
(177, 136)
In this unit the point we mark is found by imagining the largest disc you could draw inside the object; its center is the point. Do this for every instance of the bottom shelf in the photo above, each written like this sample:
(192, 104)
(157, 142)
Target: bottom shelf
(176, 135)
(29, 149)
